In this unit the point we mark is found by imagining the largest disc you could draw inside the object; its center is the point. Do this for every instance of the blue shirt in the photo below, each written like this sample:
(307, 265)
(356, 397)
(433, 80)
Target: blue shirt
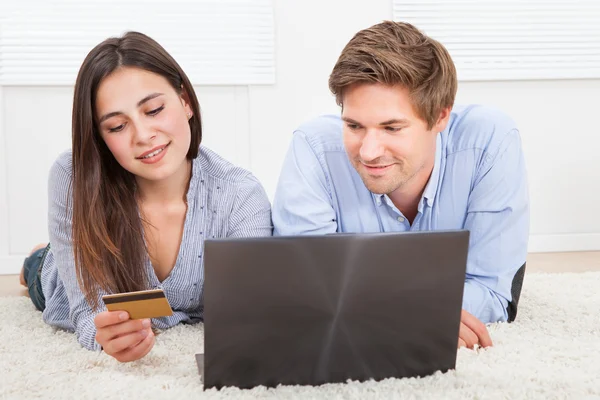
(223, 201)
(478, 183)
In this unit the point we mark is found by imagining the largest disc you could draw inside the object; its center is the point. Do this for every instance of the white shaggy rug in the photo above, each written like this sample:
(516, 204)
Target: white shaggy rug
(552, 351)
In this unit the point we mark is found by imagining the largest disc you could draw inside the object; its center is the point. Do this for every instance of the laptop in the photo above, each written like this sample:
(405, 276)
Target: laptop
(310, 310)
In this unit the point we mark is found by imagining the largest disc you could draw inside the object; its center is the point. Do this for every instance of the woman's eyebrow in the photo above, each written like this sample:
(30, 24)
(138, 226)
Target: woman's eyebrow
(142, 101)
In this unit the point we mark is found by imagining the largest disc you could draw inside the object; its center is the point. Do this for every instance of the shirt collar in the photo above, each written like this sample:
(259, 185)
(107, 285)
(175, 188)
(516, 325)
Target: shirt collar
(432, 185)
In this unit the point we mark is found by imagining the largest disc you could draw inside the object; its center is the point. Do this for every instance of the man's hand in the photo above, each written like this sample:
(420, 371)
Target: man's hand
(472, 332)
(123, 338)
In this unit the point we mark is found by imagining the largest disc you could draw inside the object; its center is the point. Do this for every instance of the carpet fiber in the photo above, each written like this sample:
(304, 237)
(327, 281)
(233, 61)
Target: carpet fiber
(551, 351)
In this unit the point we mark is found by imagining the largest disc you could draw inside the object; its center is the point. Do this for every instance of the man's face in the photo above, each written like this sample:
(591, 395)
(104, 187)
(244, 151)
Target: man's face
(386, 141)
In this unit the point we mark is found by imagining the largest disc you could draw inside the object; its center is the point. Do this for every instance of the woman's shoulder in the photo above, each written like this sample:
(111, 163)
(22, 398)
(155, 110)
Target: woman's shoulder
(216, 169)
(63, 163)
(237, 202)
(61, 172)
(213, 174)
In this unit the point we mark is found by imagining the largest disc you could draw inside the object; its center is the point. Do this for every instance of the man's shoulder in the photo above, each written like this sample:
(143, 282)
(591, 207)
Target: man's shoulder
(477, 127)
(323, 133)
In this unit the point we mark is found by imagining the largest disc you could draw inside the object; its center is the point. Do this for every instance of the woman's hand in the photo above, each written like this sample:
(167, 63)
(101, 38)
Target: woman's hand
(123, 338)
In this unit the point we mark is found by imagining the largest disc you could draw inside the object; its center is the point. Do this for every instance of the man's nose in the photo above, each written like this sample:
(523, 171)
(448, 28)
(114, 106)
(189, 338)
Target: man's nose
(371, 147)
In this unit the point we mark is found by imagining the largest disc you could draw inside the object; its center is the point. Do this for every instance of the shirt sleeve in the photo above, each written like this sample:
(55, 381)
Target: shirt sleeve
(302, 202)
(498, 221)
(81, 314)
(251, 214)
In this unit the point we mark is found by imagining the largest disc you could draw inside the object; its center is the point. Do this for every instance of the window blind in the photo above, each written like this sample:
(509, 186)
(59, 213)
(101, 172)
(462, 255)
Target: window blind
(217, 42)
(528, 39)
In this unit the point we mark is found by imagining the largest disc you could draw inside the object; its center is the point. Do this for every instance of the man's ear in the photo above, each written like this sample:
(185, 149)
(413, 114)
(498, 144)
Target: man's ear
(442, 121)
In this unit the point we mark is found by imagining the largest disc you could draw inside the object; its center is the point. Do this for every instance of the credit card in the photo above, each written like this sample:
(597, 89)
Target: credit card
(142, 304)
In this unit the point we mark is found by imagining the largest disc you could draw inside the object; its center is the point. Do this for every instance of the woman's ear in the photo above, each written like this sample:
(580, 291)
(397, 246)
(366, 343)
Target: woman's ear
(185, 101)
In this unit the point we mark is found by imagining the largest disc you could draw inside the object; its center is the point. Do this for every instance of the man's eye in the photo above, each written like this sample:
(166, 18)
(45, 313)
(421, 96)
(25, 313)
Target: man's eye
(392, 129)
(117, 128)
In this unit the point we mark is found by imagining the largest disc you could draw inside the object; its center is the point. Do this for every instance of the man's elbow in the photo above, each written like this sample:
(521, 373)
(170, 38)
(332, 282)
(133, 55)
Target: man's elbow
(485, 304)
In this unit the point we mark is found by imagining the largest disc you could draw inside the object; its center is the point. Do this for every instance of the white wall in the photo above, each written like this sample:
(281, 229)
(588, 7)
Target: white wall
(252, 127)
(561, 140)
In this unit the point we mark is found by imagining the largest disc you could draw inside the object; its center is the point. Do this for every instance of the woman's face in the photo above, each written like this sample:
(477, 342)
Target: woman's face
(144, 122)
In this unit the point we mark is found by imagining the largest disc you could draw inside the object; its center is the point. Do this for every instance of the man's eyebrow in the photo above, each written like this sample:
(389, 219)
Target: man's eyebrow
(384, 123)
(350, 121)
(394, 121)
(139, 103)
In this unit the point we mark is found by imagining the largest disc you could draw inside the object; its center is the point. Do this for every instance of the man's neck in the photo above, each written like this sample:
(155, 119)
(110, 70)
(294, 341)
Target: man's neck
(407, 197)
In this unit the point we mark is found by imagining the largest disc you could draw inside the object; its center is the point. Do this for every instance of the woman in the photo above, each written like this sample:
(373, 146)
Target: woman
(131, 204)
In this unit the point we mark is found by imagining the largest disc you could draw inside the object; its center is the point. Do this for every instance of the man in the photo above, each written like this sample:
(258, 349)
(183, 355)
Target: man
(402, 157)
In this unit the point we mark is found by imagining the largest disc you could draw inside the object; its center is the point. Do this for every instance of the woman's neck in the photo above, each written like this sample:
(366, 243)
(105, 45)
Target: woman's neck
(167, 191)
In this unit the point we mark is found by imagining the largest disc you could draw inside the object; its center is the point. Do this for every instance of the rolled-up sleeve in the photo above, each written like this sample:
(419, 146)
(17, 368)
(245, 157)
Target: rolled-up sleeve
(498, 221)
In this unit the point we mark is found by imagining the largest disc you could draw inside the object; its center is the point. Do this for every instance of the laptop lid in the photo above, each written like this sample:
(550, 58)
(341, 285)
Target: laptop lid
(310, 310)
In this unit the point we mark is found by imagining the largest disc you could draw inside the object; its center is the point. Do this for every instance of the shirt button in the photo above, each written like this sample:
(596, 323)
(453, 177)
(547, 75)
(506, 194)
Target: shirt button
(400, 219)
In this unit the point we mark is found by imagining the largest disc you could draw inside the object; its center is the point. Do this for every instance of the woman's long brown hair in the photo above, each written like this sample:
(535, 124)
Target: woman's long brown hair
(108, 240)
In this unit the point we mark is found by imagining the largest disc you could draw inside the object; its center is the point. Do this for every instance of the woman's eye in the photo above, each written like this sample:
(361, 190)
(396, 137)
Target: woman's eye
(155, 111)
(117, 128)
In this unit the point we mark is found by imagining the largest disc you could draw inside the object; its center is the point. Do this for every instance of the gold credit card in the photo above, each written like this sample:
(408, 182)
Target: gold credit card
(143, 304)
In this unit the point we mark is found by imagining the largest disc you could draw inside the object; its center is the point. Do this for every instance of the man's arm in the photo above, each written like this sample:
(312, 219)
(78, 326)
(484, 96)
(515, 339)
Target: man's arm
(498, 221)
(302, 203)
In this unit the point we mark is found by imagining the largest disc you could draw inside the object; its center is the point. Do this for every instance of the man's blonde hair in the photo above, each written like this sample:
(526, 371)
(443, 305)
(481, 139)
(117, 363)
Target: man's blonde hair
(397, 53)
